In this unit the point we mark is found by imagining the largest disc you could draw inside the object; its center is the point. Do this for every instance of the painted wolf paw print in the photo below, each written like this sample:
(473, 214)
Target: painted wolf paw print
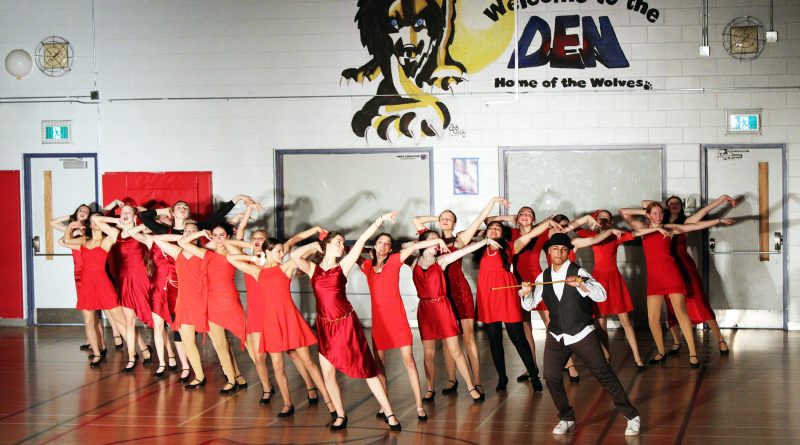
(648, 85)
(412, 120)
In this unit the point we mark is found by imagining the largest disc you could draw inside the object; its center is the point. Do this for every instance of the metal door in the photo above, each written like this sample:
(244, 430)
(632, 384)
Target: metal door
(55, 185)
(745, 267)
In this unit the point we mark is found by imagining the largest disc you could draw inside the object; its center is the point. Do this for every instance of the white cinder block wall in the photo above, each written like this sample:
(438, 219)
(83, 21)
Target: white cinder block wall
(268, 55)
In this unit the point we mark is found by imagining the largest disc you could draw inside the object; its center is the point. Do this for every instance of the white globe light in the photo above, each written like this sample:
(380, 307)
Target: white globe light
(19, 63)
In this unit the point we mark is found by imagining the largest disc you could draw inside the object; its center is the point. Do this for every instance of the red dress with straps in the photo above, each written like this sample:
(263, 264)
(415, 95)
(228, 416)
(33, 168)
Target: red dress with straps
(527, 264)
(159, 293)
(458, 289)
(663, 275)
(606, 273)
(497, 305)
(96, 291)
(697, 304)
(77, 268)
(191, 307)
(283, 327)
(224, 306)
(341, 336)
(131, 280)
(434, 313)
(390, 327)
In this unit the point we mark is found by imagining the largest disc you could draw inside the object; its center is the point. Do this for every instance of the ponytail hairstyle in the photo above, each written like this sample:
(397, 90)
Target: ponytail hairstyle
(681, 218)
(317, 257)
(503, 251)
(375, 254)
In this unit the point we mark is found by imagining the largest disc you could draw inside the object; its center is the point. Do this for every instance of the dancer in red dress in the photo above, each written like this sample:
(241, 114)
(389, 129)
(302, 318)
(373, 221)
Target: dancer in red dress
(458, 289)
(191, 307)
(129, 271)
(496, 307)
(342, 344)
(282, 327)
(96, 291)
(390, 329)
(434, 313)
(225, 310)
(663, 276)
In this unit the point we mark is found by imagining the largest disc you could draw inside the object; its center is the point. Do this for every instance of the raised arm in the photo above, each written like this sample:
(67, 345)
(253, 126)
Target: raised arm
(420, 221)
(305, 234)
(580, 243)
(60, 223)
(540, 228)
(511, 219)
(223, 210)
(163, 242)
(148, 218)
(242, 262)
(187, 243)
(350, 259)
(445, 260)
(298, 257)
(231, 248)
(111, 232)
(245, 219)
(465, 237)
(417, 245)
(585, 220)
(630, 217)
(138, 233)
(702, 213)
(112, 205)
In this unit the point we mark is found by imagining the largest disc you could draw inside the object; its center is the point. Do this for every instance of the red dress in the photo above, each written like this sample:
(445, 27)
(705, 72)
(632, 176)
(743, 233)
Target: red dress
(159, 293)
(255, 305)
(526, 263)
(341, 337)
(132, 282)
(434, 313)
(458, 289)
(96, 291)
(191, 307)
(663, 275)
(390, 327)
(283, 327)
(224, 306)
(497, 305)
(77, 269)
(697, 304)
(606, 273)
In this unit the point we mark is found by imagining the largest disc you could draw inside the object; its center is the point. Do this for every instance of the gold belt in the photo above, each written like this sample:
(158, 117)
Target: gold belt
(431, 300)
(334, 320)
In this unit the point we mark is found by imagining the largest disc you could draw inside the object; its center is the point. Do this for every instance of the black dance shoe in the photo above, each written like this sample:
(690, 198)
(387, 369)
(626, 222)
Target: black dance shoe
(659, 358)
(450, 389)
(118, 346)
(265, 401)
(287, 413)
(523, 377)
(312, 400)
(694, 365)
(172, 367)
(229, 388)
(725, 351)
(196, 384)
(422, 416)
(480, 397)
(675, 349)
(432, 393)
(129, 367)
(396, 426)
(85, 347)
(160, 371)
(185, 378)
(340, 426)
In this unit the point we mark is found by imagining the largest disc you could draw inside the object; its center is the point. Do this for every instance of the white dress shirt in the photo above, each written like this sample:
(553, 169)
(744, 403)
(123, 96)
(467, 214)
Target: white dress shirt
(596, 292)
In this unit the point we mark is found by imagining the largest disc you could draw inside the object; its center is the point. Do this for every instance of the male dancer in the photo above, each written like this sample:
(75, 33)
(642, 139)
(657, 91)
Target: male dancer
(571, 331)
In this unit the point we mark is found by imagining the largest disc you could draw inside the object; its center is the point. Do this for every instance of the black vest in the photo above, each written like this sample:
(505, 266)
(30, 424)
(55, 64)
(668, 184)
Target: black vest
(573, 312)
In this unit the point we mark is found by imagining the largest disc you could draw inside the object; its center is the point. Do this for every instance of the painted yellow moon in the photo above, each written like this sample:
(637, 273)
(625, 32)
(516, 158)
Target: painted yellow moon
(479, 41)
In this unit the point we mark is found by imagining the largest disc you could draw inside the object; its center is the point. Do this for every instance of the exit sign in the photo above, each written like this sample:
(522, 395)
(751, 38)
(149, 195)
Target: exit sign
(744, 121)
(56, 132)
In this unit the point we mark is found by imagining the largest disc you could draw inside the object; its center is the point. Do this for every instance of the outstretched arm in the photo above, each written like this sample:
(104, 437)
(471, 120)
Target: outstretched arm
(580, 243)
(511, 219)
(685, 228)
(305, 234)
(445, 260)
(298, 257)
(465, 237)
(702, 213)
(642, 231)
(60, 223)
(187, 243)
(245, 219)
(414, 246)
(350, 259)
(585, 220)
(420, 221)
(242, 262)
(163, 242)
(540, 228)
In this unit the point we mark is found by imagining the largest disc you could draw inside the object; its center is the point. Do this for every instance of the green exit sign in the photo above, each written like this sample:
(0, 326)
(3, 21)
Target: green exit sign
(744, 121)
(56, 132)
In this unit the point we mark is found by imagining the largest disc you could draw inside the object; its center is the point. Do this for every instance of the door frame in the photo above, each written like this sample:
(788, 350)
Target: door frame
(704, 151)
(30, 290)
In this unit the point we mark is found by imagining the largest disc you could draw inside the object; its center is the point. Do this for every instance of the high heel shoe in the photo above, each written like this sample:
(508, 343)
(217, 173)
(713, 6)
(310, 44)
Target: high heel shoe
(396, 426)
(640, 368)
(332, 413)
(172, 367)
(312, 400)
(429, 399)
(103, 352)
(659, 358)
(240, 385)
(196, 384)
(694, 365)
(129, 367)
(118, 346)
(341, 426)
(185, 378)
(95, 361)
(423, 416)
(229, 388)
(160, 371)
(288, 413)
(725, 351)
(480, 389)
(450, 389)
(266, 401)
(149, 358)
(480, 397)
(501, 384)
(675, 349)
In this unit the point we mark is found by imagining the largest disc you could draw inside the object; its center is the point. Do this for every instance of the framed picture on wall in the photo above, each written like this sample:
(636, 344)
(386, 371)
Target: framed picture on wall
(465, 176)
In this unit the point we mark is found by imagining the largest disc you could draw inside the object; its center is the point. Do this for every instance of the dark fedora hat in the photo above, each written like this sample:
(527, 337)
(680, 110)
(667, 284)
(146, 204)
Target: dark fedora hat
(559, 239)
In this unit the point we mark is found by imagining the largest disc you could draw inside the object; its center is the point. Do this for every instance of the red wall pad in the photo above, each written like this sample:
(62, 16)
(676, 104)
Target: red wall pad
(11, 259)
(192, 187)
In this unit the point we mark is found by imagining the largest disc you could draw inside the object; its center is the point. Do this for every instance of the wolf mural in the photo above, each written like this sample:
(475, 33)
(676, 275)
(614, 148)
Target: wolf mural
(409, 43)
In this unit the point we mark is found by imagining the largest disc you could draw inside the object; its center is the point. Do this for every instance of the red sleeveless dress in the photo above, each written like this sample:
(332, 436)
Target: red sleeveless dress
(164, 265)
(526, 265)
(283, 327)
(497, 305)
(663, 275)
(96, 291)
(132, 282)
(341, 336)
(256, 305)
(434, 313)
(458, 290)
(697, 304)
(606, 273)
(224, 306)
(390, 327)
(191, 307)
(77, 268)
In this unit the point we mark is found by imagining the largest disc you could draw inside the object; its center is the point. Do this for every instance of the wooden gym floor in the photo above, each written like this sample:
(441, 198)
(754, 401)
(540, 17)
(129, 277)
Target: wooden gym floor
(49, 394)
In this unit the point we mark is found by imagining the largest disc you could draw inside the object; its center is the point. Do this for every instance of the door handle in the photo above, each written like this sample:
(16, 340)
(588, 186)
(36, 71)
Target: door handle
(35, 244)
(712, 244)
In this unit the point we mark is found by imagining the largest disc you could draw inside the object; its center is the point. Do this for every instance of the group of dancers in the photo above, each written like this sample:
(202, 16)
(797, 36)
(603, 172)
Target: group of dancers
(172, 271)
